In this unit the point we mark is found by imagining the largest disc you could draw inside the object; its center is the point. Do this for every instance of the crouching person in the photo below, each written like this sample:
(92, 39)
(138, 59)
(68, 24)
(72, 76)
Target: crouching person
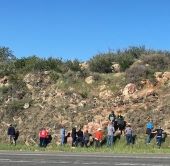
(98, 137)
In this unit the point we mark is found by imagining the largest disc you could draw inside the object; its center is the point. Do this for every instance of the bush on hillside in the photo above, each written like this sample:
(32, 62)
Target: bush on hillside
(135, 52)
(6, 55)
(158, 62)
(101, 63)
(137, 73)
(125, 60)
(73, 65)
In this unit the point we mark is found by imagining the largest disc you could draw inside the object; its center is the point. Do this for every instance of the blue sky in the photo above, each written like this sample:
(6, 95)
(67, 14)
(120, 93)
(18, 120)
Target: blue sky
(79, 29)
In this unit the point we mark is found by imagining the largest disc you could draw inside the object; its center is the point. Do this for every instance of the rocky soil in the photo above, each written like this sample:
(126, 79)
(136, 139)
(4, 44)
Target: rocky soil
(46, 105)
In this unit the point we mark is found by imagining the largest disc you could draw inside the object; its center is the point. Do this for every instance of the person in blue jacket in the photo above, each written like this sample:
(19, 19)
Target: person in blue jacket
(149, 130)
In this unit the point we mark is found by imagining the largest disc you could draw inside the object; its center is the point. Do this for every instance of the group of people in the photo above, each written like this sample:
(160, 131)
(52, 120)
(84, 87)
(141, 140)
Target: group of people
(116, 127)
(152, 132)
(116, 123)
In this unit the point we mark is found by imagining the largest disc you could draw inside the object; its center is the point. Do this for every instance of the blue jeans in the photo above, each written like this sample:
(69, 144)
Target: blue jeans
(159, 140)
(62, 139)
(148, 138)
(128, 139)
(109, 140)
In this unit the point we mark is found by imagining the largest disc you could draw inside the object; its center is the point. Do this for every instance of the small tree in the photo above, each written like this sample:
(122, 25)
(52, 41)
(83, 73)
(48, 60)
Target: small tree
(6, 54)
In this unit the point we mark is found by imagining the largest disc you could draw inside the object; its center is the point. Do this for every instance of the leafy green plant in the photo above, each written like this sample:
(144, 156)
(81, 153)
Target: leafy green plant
(101, 63)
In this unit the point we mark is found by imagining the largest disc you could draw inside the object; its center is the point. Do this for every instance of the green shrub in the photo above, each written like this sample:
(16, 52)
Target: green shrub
(137, 73)
(54, 76)
(96, 76)
(73, 65)
(157, 62)
(125, 60)
(34, 63)
(102, 63)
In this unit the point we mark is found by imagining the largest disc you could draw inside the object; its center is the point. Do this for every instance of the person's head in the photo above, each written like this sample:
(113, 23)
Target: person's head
(68, 134)
(159, 127)
(86, 131)
(80, 129)
(10, 125)
(99, 129)
(128, 125)
(112, 112)
(119, 113)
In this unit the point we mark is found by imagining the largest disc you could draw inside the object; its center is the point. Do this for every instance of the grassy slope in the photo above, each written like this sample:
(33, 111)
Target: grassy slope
(120, 147)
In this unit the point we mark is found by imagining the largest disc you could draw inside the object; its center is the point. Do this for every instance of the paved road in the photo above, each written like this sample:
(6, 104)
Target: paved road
(72, 159)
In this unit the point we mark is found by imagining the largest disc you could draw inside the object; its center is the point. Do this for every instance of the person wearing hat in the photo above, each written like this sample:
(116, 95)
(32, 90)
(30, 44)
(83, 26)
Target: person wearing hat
(128, 134)
(110, 134)
(98, 137)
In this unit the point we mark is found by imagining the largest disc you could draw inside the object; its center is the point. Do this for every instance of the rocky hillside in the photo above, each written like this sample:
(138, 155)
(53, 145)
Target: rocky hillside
(44, 98)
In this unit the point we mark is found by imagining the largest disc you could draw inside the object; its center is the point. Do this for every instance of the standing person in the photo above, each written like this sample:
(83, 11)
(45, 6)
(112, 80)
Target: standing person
(128, 134)
(159, 133)
(74, 136)
(86, 138)
(110, 134)
(112, 117)
(80, 137)
(42, 137)
(120, 122)
(11, 133)
(16, 136)
(62, 134)
(98, 137)
(48, 138)
(149, 129)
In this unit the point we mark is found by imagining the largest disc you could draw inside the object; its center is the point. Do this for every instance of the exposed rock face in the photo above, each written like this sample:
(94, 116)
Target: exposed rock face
(105, 94)
(84, 65)
(50, 107)
(162, 77)
(129, 90)
(4, 81)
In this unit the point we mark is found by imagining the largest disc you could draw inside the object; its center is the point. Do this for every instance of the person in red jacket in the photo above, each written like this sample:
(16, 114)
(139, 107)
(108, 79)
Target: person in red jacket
(42, 136)
(98, 137)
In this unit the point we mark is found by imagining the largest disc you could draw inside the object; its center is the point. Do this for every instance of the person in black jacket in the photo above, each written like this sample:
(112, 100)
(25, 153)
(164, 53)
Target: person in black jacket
(16, 136)
(74, 136)
(11, 133)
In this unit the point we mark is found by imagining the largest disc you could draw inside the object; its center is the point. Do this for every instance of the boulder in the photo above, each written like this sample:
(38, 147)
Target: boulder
(89, 80)
(129, 90)
(116, 67)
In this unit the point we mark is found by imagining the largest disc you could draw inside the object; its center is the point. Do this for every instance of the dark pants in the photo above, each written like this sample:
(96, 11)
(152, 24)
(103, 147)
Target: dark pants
(159, 140)
(74, 141)
(86, 142)
(97, 143)
(42, 142)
